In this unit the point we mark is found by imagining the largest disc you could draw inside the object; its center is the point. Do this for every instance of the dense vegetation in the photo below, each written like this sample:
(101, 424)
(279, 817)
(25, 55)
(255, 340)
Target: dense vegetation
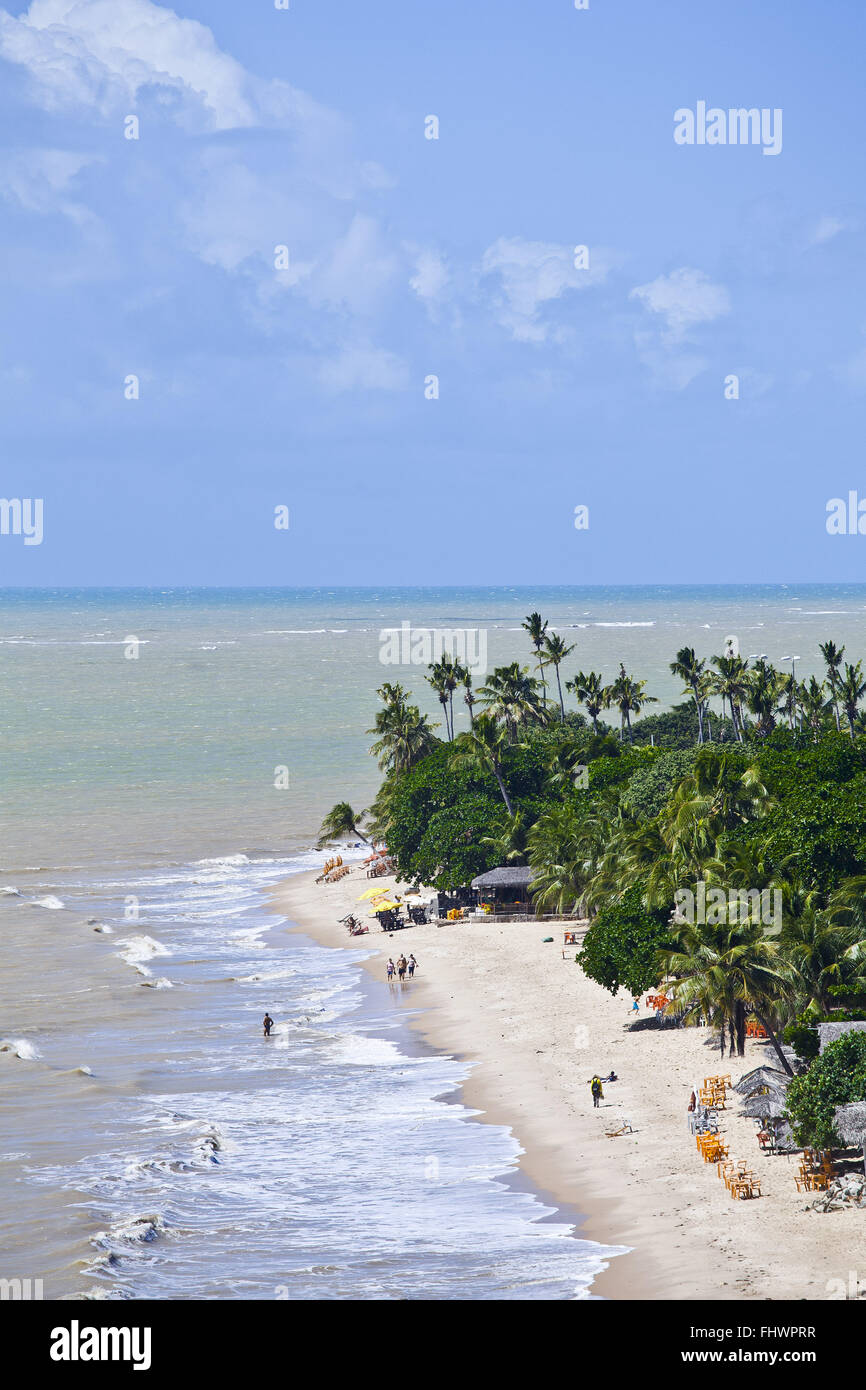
(756, 805)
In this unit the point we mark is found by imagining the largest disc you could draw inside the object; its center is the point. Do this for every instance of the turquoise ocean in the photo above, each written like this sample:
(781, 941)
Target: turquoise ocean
(167, 756)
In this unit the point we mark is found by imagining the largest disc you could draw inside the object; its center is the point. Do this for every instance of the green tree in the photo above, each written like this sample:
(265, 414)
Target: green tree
(833, 659)
(536, 626)
(482, 750)
(837, 1077)
(340, 822)
(589, 689)
(510, 696)
(557, 650)
(852, 688)
(629, 697)
(720, 971)
(621, 948)
(690, 671)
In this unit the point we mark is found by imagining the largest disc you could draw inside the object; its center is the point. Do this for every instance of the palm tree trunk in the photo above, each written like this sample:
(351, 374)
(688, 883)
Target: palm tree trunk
(765, 1023)
(559, 688)
(700, 707)
(505, 797)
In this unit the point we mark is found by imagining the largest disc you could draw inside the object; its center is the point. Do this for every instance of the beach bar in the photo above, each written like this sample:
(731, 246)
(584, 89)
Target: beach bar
(506, 890)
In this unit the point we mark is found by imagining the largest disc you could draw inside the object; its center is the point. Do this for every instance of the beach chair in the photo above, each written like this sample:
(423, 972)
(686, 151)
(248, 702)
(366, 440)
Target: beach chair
(624, 1128)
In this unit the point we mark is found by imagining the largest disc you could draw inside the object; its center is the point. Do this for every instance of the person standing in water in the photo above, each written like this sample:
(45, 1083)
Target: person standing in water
(401, 968)
(391, 969)
(267, 1023)
(412, 963)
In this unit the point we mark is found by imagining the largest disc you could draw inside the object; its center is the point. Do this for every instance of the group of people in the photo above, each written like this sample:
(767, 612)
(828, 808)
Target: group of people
(402, 968)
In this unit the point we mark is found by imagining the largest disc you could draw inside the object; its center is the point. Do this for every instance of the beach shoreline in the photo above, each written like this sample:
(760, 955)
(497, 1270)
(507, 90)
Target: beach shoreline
(534, 1029)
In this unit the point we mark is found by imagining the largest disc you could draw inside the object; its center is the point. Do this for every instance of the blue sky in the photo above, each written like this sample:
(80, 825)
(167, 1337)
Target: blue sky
(411, 257)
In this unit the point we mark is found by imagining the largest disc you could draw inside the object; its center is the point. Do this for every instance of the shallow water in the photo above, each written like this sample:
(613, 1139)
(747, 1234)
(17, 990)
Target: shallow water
(153, 1144)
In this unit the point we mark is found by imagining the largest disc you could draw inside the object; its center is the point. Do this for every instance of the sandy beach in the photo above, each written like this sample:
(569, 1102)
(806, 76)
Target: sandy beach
(534, 1030)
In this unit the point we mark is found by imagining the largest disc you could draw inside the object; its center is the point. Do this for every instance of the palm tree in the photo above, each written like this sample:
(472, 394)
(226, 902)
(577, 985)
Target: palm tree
(825, 953)
(557, 650)
(464, 678)
(714, 799)
(814, 704)
(690, 671)
(536, 626)
(340, 822)
(439, 680)
(762, 693)
(511, 696)
(851, 689)
(721, 971)
(564, 848)
(629, 697)
(404, 734)
(833, 658)
(731, 683)
(589, 689)
(512, 841)
(481, 750)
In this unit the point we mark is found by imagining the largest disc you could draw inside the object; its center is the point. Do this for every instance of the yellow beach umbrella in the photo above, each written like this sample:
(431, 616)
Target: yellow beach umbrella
(385, 907)
(374, 893)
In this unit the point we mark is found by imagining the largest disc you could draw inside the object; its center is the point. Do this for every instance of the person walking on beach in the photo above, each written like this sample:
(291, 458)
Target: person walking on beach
(412, 963)
(267, 1024)
(635, 1006)
(597, 1092)
(401, 968)
(391, 969)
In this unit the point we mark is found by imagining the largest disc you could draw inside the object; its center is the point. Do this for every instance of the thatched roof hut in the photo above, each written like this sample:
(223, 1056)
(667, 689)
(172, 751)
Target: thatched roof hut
(761, 1076)
(829, 1032)
(850, 1124)
(512, 876)
(769, 1106)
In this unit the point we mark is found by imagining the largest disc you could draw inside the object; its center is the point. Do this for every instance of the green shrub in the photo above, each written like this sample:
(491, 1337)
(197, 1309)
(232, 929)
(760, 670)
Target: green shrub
(837, 1077)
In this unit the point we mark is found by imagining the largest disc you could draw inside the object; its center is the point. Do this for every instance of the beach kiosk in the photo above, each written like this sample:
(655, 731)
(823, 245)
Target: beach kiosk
(506, 890)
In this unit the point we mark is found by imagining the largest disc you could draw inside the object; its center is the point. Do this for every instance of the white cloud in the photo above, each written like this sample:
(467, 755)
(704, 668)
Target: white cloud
(683, 299)
(431, 275)
(533, 274)
(39, 180)
(827, 229)
(101, 54)
(362, 367)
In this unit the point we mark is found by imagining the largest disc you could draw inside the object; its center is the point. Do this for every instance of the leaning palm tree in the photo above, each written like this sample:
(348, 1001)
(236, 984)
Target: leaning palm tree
(629, 697)
(557, 650)
(690, 671)
(481, 750)
(852, 688)
(536, 626)
(589, 689)
(723, 970)
(340, 822)
(833, 659)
